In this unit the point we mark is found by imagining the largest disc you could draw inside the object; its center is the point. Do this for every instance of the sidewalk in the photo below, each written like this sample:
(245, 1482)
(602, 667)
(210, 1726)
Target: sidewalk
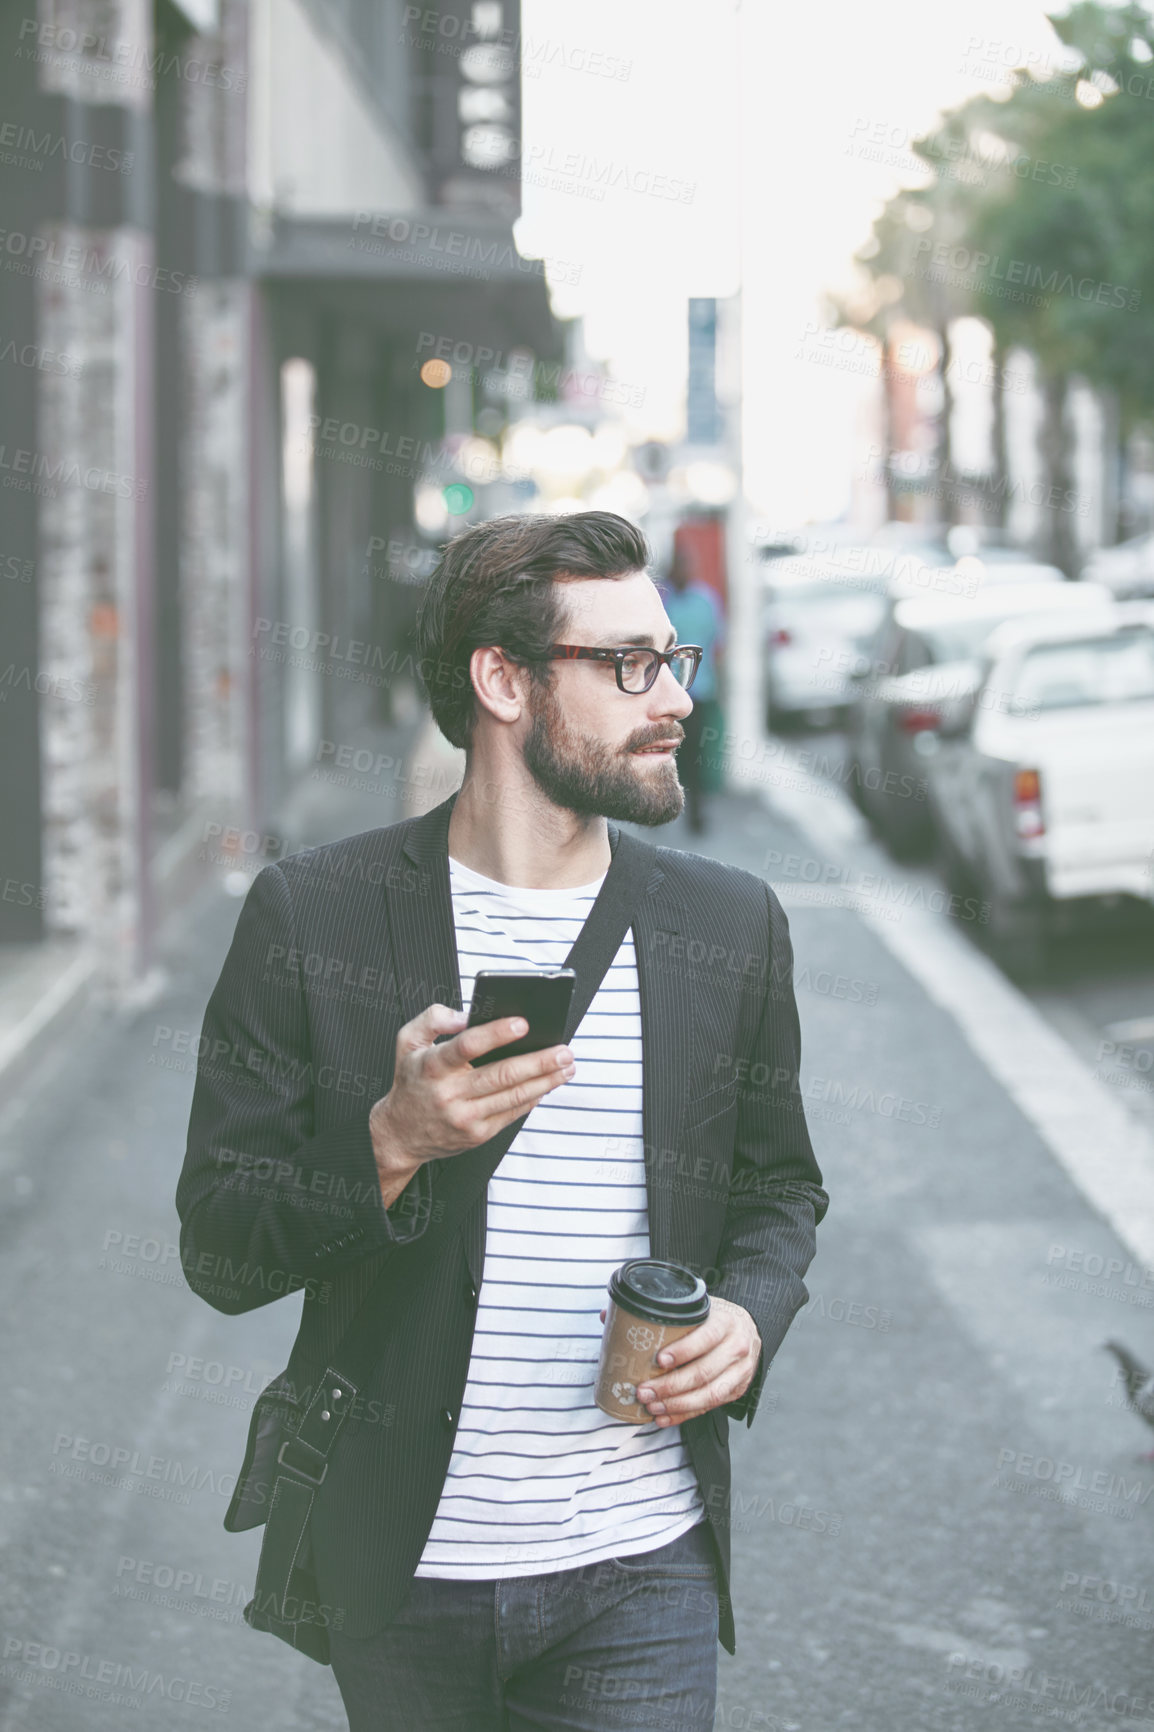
(938, 1513)
(51, 990)
(949, 1433)
(43, 989)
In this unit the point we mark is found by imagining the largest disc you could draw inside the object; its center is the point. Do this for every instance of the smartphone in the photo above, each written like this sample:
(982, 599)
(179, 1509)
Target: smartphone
(542, 998)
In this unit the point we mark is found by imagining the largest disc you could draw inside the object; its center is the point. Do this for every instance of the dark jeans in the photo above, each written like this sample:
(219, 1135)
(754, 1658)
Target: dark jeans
(624, 1642)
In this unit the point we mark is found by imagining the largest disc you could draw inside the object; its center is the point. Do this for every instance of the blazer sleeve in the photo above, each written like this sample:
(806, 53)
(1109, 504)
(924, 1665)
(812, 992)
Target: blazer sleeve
(776, 1198)
(267, 1206)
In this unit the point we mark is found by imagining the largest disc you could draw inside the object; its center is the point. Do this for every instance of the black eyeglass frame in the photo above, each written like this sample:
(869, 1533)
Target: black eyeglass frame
(571, 652)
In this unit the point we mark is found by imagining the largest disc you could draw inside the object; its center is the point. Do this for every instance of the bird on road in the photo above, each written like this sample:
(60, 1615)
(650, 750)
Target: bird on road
(1139, 1384)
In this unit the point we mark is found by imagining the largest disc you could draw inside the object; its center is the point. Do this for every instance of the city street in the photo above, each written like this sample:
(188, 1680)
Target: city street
(361, 363)
(1098, 990)
(941, 1518)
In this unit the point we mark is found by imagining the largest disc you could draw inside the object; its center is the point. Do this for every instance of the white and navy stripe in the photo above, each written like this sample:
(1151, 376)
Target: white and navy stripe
(540, 1479)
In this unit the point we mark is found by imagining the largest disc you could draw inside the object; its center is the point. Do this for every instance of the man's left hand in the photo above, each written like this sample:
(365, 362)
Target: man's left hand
(712, 1365)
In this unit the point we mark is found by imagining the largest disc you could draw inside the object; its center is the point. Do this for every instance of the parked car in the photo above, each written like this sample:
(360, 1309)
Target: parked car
(777, 544)
(818, 613)
(1007, 565)
(963, 578)
(1128, 569)
(924, 541)
(1041, 775)
(937, 545)
(891, 719)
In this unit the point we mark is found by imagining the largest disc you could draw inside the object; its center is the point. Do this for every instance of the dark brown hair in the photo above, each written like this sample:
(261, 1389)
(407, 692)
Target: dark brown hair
(497, 585)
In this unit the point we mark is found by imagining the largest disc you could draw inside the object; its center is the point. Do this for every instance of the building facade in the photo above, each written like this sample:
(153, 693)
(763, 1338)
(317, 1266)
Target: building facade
(237, 232)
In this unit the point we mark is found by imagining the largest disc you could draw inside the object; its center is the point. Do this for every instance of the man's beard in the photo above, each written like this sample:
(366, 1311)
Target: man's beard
(583, 776)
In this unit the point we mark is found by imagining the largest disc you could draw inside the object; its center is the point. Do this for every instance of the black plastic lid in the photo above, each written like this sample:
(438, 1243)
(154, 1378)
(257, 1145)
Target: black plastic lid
(660, 1292)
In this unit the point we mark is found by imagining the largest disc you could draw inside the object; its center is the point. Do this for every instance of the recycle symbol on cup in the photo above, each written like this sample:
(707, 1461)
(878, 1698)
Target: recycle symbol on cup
(625, 1392)
(640, 1337)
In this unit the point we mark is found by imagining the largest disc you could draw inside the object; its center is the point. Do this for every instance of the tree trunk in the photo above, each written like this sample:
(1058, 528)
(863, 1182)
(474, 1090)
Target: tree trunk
(1000, 476)
(1110, 459)
(1058, 540)
(889, 426)
(949, 512)
(1123, 515)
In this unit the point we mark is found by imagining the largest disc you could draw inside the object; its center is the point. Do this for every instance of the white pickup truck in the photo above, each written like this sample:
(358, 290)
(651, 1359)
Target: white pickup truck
(1041, 773)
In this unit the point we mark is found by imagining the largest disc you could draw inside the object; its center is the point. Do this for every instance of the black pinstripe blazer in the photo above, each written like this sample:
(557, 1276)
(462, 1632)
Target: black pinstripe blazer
(334, 950)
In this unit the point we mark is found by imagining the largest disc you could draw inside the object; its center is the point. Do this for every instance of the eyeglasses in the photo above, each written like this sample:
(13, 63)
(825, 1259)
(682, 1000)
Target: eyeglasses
(636, 669)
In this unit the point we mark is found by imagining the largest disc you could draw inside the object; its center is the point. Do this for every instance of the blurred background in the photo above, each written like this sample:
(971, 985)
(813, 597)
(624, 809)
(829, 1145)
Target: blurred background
(294, 291)
(853, 312)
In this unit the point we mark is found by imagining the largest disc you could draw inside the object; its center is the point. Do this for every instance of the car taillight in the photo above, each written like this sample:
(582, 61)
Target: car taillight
(920, 721)
(1028, 820)
(779, 638)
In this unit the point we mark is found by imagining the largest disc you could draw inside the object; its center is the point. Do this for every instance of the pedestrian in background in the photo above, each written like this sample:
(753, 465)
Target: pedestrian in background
(695, 614)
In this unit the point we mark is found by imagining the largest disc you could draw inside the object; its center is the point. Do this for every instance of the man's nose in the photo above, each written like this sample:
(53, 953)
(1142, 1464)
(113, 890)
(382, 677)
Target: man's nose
(670, 695)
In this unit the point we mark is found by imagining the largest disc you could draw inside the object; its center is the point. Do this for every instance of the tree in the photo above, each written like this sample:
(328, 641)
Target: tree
(1041, 213)
(900, 277)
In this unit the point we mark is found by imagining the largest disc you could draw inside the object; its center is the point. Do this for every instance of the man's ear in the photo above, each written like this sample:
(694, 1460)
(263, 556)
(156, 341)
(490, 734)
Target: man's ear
(501, 685)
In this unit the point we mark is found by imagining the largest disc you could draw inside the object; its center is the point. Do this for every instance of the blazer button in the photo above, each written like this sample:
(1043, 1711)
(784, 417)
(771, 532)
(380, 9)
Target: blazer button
(472, 1291)
(447, 1418)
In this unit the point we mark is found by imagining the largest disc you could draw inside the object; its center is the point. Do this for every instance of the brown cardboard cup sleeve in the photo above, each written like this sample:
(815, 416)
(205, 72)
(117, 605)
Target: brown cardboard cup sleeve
(651, 1304)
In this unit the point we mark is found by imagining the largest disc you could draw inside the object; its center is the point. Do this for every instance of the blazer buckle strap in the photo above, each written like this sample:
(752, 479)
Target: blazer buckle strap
(297, 1467)
(327, 1413)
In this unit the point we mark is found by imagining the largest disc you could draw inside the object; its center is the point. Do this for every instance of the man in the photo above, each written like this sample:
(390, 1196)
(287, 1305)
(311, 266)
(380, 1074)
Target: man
(695, 616)
(501, 1553)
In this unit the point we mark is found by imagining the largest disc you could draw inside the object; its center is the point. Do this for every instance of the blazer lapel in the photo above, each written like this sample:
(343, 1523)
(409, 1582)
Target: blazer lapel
(421, 918)
(425, 960)
(667, 1046)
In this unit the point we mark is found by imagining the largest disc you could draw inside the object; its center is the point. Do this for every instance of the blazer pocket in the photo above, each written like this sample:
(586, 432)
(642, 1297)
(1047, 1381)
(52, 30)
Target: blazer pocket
(710, 1105)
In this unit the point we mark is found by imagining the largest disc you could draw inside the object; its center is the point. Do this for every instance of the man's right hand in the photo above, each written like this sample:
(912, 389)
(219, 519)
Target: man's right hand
(440, 1106)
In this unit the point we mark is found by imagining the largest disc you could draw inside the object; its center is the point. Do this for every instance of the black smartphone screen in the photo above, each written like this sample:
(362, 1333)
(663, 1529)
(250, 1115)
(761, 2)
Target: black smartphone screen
(541, 998)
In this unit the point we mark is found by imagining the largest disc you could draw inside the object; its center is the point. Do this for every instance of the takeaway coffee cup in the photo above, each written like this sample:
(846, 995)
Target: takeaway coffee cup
(651, 1303)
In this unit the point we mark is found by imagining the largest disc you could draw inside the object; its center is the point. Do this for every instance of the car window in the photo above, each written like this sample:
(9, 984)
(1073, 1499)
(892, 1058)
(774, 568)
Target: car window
(831, 594)
(840, 610)
(883, 647)
(1111, 670)
(913, 653)
(959, 640)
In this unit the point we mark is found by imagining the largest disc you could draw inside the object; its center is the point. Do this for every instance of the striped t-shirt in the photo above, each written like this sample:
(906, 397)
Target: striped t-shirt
(540, 1479)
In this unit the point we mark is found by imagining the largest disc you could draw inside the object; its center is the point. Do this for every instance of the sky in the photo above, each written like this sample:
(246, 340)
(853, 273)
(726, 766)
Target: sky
(742, 142)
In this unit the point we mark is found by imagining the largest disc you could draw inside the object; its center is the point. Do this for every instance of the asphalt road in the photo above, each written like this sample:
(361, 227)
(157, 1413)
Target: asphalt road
(941, 1519)
(1098, 990)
